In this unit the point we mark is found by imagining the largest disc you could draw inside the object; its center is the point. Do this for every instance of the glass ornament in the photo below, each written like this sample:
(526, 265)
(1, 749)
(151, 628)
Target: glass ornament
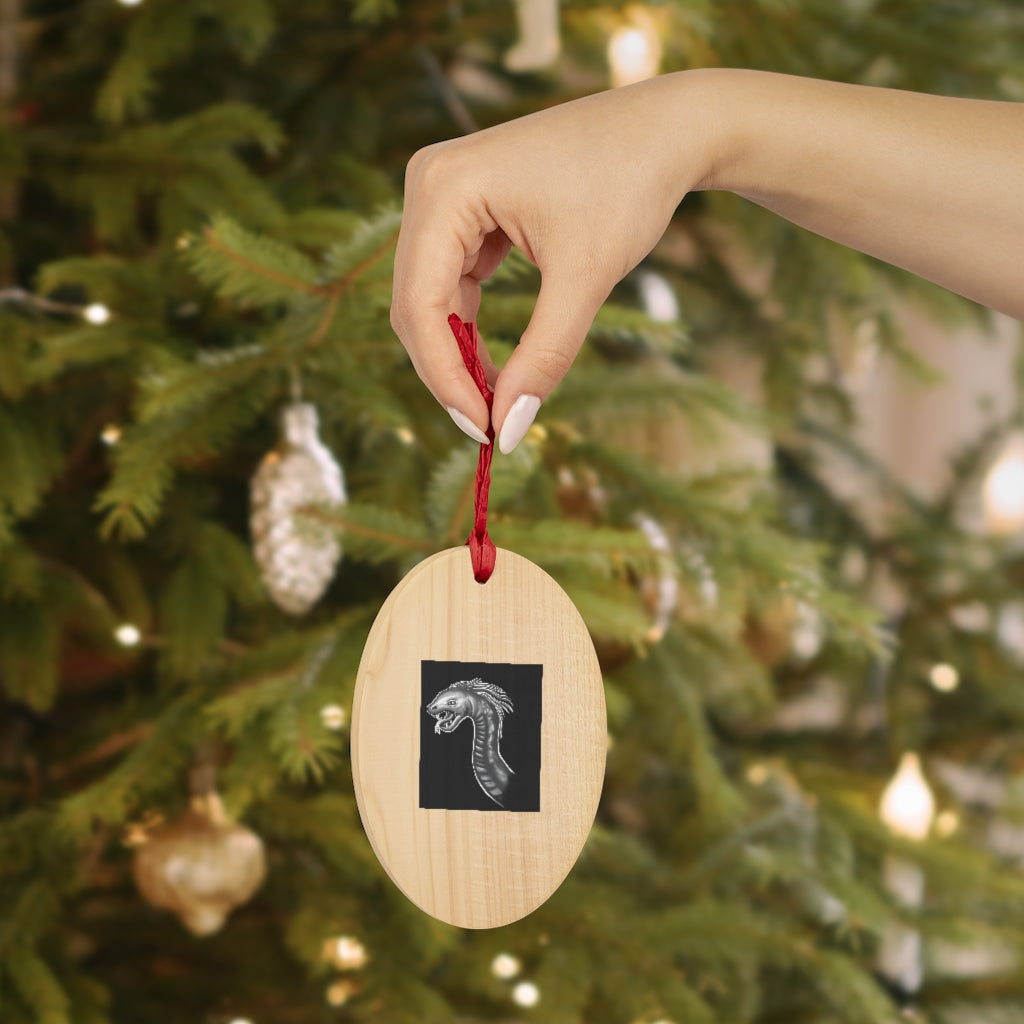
(200, 866)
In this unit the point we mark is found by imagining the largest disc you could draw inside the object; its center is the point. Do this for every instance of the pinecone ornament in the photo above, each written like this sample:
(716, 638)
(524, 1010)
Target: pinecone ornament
(200, 866)
(296, 555)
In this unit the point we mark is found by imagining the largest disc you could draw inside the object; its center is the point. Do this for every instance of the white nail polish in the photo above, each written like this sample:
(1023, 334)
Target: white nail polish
(518, 422)
(467, 426)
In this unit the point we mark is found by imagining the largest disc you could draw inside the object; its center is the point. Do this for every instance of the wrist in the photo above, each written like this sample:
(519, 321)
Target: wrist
(717, 149)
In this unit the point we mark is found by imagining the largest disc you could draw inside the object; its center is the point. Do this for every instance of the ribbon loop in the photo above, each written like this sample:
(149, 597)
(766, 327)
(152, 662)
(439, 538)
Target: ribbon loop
(481, 546)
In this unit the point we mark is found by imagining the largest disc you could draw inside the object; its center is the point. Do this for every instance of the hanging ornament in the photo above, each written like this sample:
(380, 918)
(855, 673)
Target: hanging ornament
(539, 40)
(200, 866)
(296, 555)
(478, 725)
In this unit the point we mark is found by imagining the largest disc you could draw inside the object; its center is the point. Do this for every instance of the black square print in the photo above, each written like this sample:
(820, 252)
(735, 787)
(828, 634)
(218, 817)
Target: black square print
(480, 736)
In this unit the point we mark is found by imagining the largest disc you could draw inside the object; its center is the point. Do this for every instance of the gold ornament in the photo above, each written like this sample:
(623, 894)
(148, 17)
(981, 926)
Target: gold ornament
(296, 557)
(200, 866)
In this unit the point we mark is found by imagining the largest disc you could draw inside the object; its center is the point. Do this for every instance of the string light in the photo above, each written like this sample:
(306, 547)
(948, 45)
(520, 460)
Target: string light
(127, 635)
(333, 717)
(347, 953)
(947, 823)
(634, 52)
(110, 434)
(505, 966)
(526, 994)
(129, 3)
(337, 993)
(1003, 490)
(907, 805)
(944, 678)
(96, 313)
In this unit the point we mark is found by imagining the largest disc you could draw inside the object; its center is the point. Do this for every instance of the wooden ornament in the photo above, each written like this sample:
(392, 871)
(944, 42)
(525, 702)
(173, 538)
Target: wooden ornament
(478, 738)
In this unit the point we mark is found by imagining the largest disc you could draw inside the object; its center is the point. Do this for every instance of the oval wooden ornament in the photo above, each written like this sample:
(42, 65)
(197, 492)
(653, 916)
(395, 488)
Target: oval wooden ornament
(479, 736)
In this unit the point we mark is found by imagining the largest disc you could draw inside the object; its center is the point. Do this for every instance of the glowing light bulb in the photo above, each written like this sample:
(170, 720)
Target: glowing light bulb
(129, 3)
(526, 994)
(96, 313)
(947, 823)
(634, 54)
(1003, 490)
(127, 635)
(907, 805)
(944, 678)
(337, 993)
(348, 953)
(505, 966)
(110, 434)
(333, 716)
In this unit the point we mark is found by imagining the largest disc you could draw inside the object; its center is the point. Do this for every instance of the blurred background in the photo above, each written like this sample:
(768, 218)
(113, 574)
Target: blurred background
(784, 485)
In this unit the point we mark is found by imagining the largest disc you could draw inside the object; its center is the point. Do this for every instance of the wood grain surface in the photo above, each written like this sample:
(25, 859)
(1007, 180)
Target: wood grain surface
(477, 869)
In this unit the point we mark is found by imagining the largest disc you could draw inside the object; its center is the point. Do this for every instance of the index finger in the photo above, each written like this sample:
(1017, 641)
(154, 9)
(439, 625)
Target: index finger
(434, 245)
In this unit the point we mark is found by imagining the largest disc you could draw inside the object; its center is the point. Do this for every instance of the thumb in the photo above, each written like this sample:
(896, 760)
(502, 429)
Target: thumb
(561, 318)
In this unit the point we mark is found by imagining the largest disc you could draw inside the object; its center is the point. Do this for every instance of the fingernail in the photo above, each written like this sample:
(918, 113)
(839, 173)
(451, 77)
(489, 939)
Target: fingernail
(517, 422)
(467, 426)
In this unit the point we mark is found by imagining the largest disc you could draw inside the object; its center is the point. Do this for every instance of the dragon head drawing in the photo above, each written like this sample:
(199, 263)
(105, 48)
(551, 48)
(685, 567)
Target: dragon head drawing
(452, 706)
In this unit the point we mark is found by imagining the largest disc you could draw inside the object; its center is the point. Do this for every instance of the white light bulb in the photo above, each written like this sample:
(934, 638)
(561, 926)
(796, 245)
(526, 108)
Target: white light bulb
(505, 966)
(634, 55)
(526, 994)
(348, 953)
(110, 434)
(1003, 491)
(944, 678)
(96, 313)
(333, 716)
(907, 805)
(127, 635)
(129, 3)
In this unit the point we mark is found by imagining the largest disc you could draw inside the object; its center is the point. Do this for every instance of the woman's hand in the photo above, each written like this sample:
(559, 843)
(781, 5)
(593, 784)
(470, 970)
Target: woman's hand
(584, 189)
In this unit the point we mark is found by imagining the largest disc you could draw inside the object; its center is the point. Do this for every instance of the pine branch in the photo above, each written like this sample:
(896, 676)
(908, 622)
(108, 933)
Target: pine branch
(253, 270)
(352, 258)
(373, 534)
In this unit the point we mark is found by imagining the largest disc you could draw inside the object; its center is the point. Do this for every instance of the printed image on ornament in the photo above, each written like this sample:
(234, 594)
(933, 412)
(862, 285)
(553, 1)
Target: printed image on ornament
(494, 763)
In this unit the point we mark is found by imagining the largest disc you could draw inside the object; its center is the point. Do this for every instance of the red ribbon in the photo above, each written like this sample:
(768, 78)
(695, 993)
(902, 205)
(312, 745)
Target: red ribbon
(481, 547)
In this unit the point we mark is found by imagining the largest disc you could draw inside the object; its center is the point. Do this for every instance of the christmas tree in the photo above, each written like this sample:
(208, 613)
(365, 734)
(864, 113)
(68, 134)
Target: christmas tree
(216, 462)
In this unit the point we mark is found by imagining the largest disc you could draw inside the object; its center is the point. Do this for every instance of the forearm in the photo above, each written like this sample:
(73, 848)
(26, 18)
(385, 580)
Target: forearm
(932, 184)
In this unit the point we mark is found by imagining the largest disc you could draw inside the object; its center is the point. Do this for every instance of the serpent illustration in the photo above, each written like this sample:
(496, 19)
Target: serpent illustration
(485, 705)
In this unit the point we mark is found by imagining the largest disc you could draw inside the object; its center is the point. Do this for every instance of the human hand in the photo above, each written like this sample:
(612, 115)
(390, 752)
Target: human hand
(584, 190)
